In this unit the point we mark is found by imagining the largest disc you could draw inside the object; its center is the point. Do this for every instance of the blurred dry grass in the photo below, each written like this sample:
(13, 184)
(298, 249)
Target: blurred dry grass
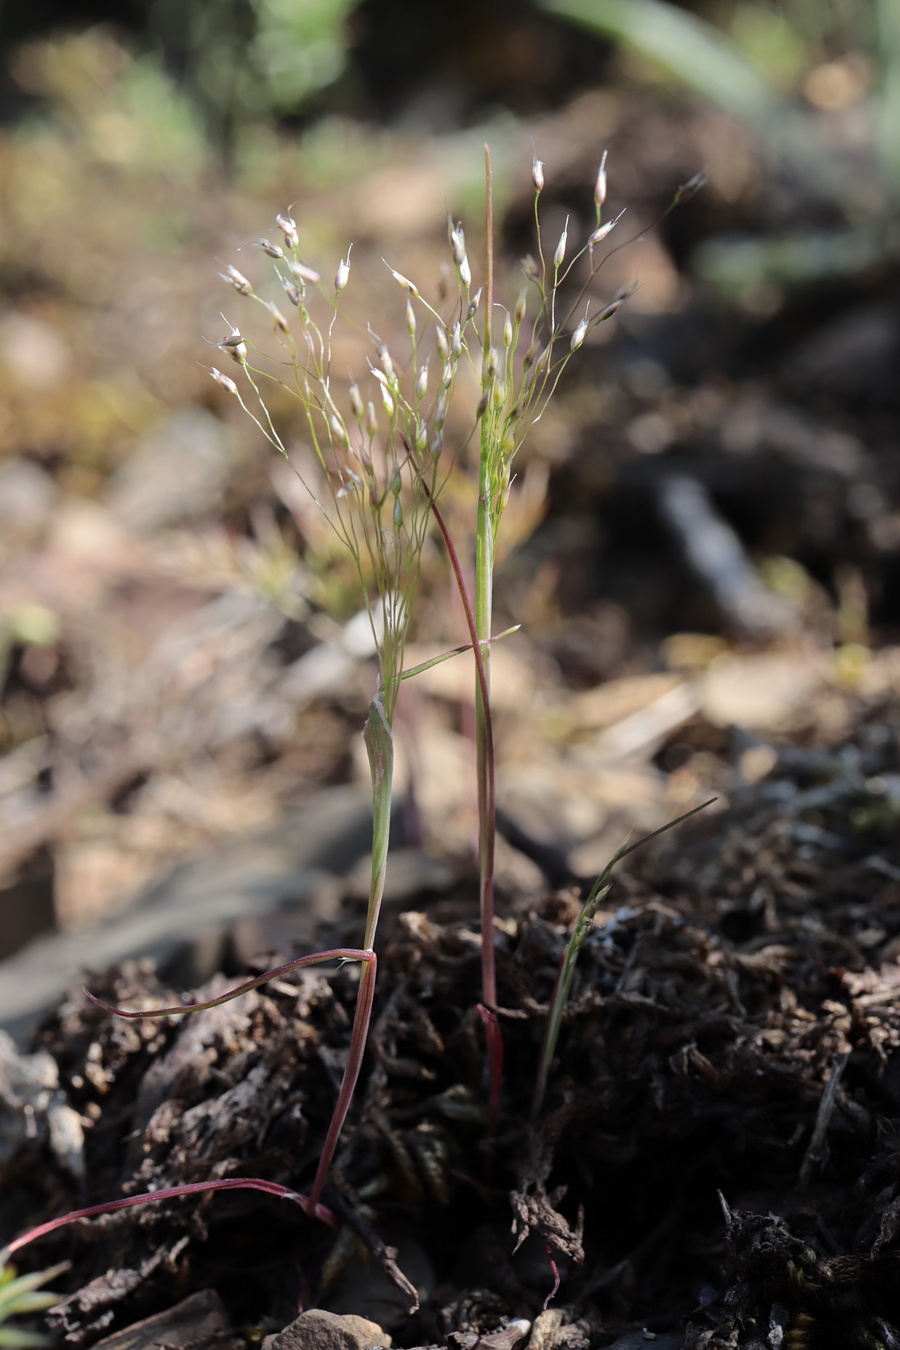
(176, 662)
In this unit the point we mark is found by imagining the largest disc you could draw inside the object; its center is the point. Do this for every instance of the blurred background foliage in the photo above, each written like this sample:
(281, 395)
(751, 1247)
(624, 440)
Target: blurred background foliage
(145, 143)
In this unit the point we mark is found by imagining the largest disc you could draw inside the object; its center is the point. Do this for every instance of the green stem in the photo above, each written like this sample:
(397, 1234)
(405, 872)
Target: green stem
(493, 1038)
(484, 601)
(566, 972)
(485, 753)
(489, 248)
(380, 748)
(484, 747)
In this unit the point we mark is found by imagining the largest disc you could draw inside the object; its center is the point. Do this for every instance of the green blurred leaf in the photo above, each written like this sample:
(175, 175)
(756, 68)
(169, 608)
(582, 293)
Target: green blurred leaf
(691, 50)
(22, 1295)
(704, 59)
(299, 48)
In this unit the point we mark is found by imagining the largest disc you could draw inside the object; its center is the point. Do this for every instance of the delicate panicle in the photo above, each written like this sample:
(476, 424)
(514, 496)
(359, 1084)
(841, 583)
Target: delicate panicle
(387, 364)
(560, 253)
(600, 186)
(610, 310)
(687, 190)
(280, 321)
(305, 275)
(235, 346)
(225, 381)
(458, 249)
(457, 243)
(338, 432)
(352, 484)
(402, 280)
(288, 227)
(616, 304)
(237, 280)
(579, 335)
(603, 231)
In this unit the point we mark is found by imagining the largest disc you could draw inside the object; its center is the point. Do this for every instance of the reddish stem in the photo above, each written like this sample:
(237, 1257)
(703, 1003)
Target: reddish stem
(493, 1038)
(494, 1043)
(339, 953)
(555, 1269)
(359, 1035)
(469, 613)
(361, 1019)
(311, 1207)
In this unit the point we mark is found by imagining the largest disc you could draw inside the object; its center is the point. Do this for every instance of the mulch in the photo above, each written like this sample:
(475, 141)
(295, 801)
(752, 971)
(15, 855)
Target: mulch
(716, 1157)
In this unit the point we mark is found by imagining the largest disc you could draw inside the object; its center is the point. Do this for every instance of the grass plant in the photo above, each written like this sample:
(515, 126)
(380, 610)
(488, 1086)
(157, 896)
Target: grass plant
(380, 455)
(23, 1296)
(562, 987)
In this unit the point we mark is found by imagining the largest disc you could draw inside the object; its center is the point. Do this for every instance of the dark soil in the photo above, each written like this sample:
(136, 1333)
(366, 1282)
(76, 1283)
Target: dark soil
(717, 1157)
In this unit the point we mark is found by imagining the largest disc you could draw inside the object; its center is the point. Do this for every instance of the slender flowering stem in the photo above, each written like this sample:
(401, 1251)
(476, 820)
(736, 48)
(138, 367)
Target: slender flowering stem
(484, 732)
(492, 1034)
(477, 647)
(484, 591)
(489, 251)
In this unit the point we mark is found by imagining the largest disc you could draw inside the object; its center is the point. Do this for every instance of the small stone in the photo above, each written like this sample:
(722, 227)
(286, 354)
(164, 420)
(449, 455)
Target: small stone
(321, 1330)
